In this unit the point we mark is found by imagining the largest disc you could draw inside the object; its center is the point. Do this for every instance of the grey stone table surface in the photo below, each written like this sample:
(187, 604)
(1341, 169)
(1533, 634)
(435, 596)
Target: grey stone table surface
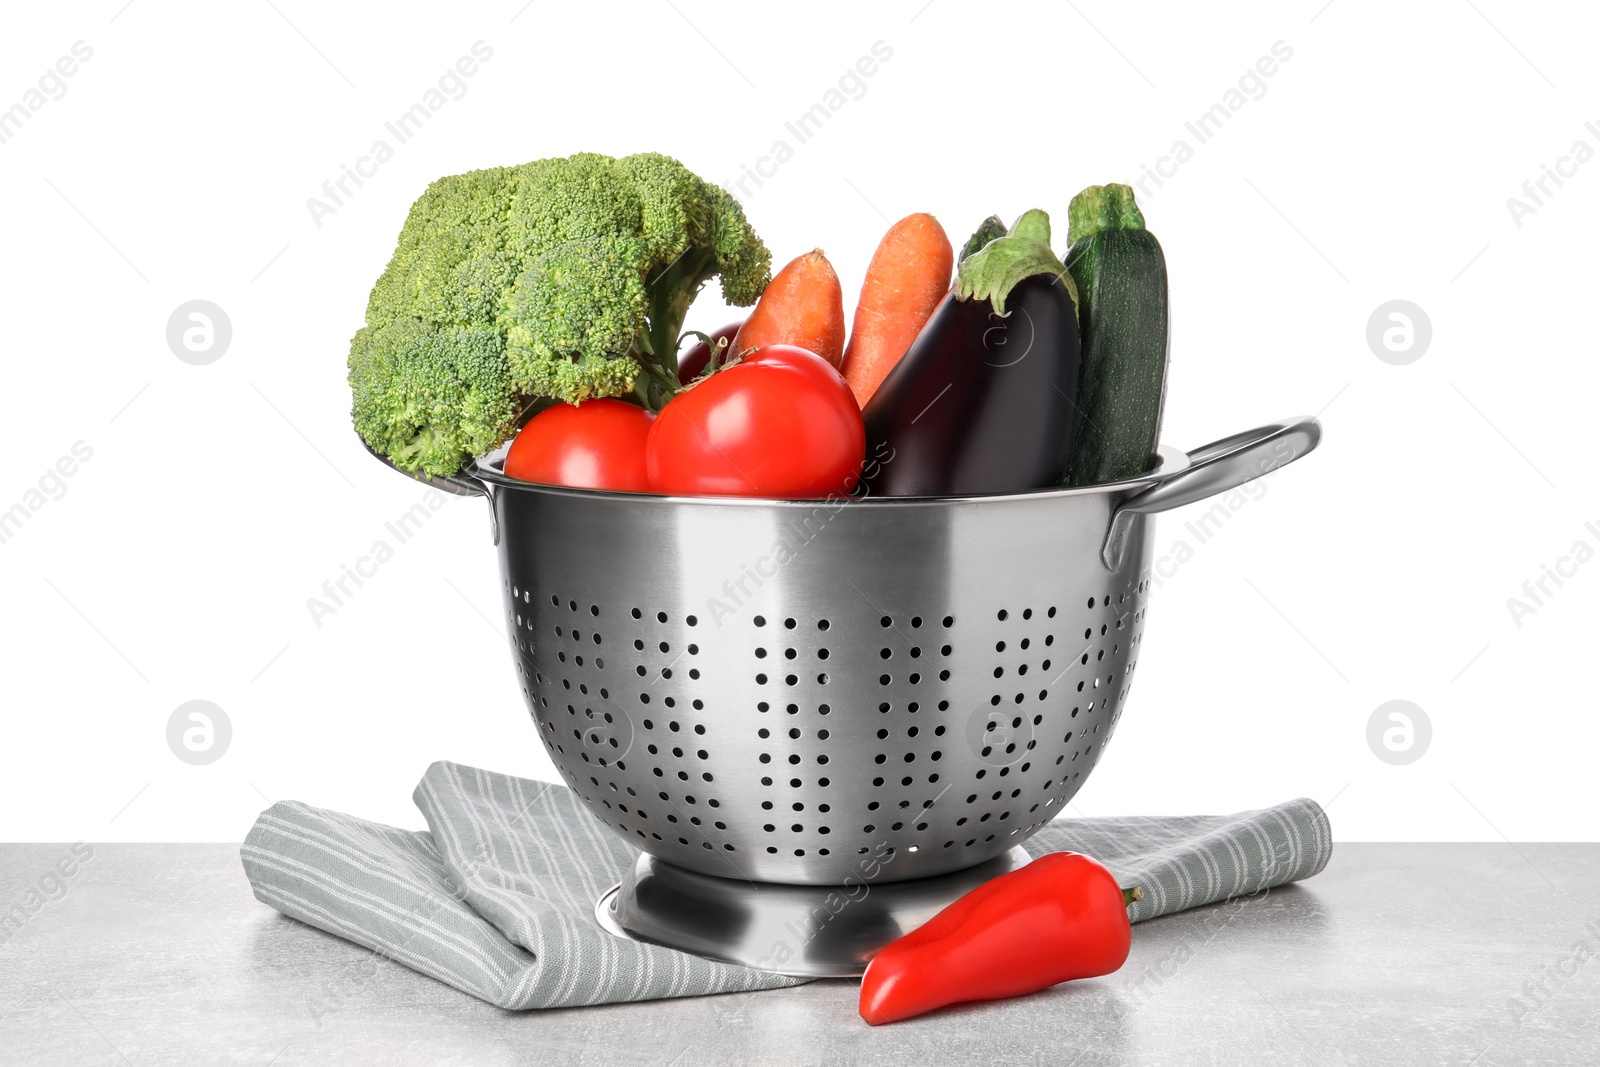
(1409, 954)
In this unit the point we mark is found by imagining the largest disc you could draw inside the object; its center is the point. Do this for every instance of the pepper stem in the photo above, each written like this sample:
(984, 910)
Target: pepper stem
(1129, 896)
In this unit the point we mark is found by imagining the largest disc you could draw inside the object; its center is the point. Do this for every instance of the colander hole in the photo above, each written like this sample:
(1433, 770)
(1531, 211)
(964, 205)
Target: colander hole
(885, 653)
(1002, 615)
(823, 709)
(763, 706)
(822, 653)
(949, 621)
(1027, 613)
(793, 709)
(824, 783)
(760, 620)
(788, 624)
(572, 605)
(822, 624)
(761, 653)
(636, 612)
(661, 616)
(884, 679)
(761, 679)
(886, 622)
(790, 679)
(692, 621)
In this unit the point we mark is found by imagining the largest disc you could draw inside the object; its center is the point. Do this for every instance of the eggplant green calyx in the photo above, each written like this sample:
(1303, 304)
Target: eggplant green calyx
(993, 271)
(987, 230)
(1102, 207)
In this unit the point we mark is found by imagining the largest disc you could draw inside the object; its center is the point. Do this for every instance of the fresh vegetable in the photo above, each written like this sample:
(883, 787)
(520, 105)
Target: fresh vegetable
(802, 306)
(781, 423)
(983, 401)
(987, 230)
(1122, 282)
(694, 362)
(598, 444)
(908, 276)
(1058, 918)
(564, 278)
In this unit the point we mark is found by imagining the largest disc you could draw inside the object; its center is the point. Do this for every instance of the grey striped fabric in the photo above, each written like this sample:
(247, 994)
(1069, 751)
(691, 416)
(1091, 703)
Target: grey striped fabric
(496, 898)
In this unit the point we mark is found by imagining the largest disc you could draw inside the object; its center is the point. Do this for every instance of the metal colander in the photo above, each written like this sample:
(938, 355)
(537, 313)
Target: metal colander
(781, 691)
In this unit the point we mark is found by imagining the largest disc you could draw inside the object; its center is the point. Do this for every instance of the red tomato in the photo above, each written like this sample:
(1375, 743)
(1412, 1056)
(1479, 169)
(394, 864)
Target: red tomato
(783, 423)
(598, 444)
(694, 361)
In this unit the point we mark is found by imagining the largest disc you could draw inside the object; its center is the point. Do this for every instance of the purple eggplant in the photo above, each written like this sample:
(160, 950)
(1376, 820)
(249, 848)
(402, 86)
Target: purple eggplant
(985, 400)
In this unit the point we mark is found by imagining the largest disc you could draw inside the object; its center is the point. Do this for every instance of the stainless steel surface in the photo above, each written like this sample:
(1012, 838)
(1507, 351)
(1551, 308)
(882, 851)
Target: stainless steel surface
(771, 690)
(1400, 954)
(818, 931)
(460, 484)
(1213, 469)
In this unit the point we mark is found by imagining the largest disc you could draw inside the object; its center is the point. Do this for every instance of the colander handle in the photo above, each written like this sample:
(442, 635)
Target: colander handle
(459, 484)
(1214, 468)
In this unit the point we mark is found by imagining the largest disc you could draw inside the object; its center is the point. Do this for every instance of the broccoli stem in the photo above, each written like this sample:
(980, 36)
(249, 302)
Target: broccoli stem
(672, 289)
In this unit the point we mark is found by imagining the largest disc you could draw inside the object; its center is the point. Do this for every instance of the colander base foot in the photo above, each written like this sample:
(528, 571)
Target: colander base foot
(813, 931)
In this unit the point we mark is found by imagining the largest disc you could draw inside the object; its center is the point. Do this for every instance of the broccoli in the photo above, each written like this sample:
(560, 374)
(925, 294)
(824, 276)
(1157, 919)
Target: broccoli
(563, 278)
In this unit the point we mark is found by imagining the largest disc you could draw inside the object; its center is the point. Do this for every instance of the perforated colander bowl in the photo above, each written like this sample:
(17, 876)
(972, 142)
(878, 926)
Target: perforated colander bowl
(779, 691)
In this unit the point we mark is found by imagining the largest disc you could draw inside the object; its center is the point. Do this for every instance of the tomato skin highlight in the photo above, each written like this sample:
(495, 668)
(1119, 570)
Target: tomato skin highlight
(782, 423)
(598, 444)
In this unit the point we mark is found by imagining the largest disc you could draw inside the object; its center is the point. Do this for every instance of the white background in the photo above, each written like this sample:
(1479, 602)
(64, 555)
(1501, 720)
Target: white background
(1376, 166)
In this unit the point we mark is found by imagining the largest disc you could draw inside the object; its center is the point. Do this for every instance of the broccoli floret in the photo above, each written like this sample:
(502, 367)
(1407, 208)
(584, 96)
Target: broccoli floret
(565, 278)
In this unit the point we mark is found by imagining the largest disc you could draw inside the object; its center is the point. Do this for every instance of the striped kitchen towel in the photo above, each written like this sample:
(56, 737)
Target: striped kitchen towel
(497, 897)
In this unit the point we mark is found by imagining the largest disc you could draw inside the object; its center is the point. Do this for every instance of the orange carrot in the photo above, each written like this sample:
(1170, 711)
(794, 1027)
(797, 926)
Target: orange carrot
(908, 276)
(802, 305)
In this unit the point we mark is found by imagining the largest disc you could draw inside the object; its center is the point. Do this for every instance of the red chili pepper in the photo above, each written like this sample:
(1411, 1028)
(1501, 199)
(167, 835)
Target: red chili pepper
(1061, 917)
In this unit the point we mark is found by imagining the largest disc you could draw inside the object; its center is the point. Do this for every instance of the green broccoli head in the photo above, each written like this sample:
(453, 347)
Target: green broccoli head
(564, 278)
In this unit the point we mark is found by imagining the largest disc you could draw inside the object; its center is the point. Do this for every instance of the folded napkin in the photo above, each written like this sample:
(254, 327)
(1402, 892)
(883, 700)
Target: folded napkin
(497, 897)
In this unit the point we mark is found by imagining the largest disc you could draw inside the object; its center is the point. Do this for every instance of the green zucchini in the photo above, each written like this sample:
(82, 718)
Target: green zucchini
(1122, 288)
